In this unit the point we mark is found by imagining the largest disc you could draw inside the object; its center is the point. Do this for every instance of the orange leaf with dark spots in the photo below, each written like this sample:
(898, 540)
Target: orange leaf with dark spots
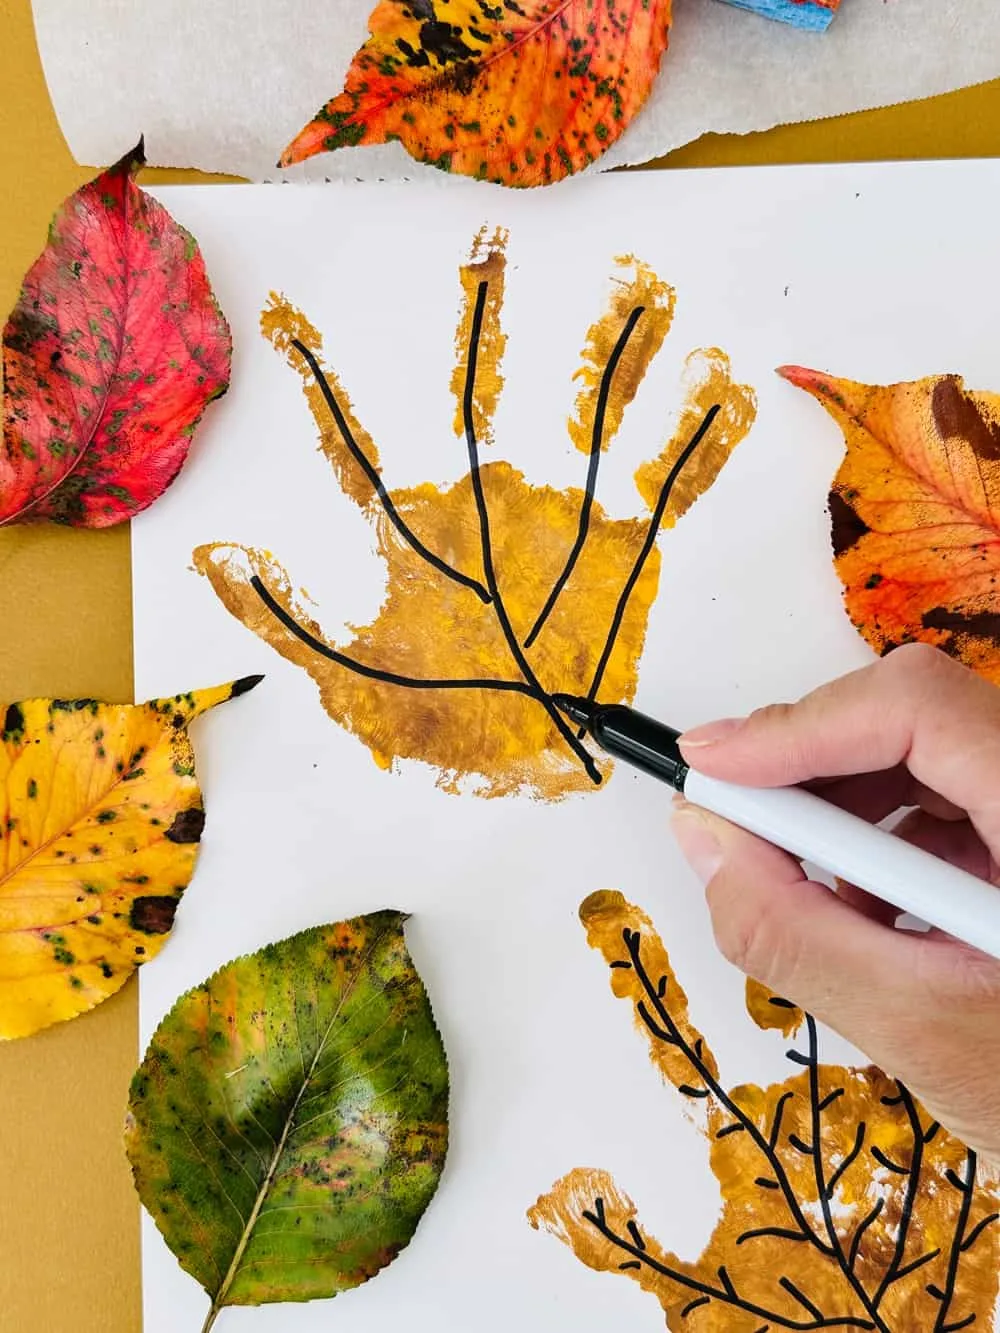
(520, 92)
(110, 356)
(915, 512)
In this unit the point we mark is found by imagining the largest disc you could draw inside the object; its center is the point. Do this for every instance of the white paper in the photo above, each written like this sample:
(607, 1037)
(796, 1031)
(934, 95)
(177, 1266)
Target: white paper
(223, 93)
(883, 273)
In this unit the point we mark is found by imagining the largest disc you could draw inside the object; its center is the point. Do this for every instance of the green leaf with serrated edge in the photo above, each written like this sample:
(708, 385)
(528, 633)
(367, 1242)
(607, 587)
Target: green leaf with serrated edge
(289, 1123)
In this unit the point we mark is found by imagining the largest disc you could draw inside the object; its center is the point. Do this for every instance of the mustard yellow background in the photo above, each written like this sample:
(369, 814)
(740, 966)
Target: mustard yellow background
(69, 1235)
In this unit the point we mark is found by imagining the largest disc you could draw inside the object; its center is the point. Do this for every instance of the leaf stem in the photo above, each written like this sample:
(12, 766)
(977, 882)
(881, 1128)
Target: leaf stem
(596, 446)
(210, 1318)
(376, 482)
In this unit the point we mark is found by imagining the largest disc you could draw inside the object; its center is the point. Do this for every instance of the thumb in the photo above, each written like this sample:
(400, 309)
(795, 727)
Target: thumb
(795, 935)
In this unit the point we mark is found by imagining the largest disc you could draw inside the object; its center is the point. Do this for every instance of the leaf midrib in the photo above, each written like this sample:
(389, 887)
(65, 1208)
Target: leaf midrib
(44, 846)
(219, 1299)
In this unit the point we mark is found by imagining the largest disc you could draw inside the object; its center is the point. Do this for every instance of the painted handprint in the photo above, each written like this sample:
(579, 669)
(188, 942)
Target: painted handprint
(844, 1205)
(498, 592)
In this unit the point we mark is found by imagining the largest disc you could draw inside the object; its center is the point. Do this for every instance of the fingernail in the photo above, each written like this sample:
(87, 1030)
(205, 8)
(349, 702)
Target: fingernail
(710, 733)
(701, 848)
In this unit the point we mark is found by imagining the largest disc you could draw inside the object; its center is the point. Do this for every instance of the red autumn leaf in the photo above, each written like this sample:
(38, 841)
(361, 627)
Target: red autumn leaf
(521, 92)
(109, 357)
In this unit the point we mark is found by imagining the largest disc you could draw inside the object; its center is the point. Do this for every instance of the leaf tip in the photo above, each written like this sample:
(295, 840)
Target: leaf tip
(245, 684)
(817, 382)
(134, 160)
(800, 376)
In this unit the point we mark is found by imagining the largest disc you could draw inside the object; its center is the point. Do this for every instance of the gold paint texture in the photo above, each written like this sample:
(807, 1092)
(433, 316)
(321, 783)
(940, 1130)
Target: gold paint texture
(487, 263)
(637, 289)
(561, 564)
(282, 325)
(708, 383)
(843, 1204)
(770, 1011)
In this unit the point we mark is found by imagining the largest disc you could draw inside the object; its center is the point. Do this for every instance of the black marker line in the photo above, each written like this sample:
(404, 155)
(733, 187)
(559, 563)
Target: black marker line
(910, 1197)
(967, 1187)
(836, 1246)
(725, 1294)
(632, 941)
(978, 1230)
(801, 1297)
(374, 673)
(859, 1234)
(593, 772)
(358, 454)
(647, 546)
(596, 445)
(845, 1166)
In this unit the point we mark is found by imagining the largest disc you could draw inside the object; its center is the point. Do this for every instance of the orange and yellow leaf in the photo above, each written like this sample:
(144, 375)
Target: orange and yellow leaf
(521, 92)
(915, 512)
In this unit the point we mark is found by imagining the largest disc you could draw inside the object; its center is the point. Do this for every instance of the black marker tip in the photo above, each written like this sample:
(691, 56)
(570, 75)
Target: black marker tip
(580, 711)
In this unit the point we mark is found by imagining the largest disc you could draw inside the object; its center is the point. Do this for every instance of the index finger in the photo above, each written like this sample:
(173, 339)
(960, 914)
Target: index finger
(915, 707)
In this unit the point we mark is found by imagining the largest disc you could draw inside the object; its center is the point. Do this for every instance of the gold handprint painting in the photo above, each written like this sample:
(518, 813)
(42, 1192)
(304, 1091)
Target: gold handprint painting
(844, 1204)
(498, 592)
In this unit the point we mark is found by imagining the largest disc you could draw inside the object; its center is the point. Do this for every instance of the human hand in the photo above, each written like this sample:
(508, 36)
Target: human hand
(913, 730)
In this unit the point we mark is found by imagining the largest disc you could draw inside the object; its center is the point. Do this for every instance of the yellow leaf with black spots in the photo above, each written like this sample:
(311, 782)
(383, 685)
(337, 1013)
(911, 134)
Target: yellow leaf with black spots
(100, 820)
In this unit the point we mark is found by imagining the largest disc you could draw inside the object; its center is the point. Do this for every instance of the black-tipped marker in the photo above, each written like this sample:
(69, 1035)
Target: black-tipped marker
(810, 828)
(629, 735)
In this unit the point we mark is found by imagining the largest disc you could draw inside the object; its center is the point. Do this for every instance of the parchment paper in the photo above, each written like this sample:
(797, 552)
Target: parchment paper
(224, 88)
(222, 91)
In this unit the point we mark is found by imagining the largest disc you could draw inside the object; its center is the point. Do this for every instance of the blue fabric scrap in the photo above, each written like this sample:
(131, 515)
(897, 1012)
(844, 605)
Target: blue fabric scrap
(815, 18)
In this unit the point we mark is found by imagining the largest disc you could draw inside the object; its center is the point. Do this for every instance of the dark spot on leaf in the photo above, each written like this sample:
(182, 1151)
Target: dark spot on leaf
(956, 414)
(979, 624)
(13, 723)
(187, 826)
(153, 915)
(846, 527)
